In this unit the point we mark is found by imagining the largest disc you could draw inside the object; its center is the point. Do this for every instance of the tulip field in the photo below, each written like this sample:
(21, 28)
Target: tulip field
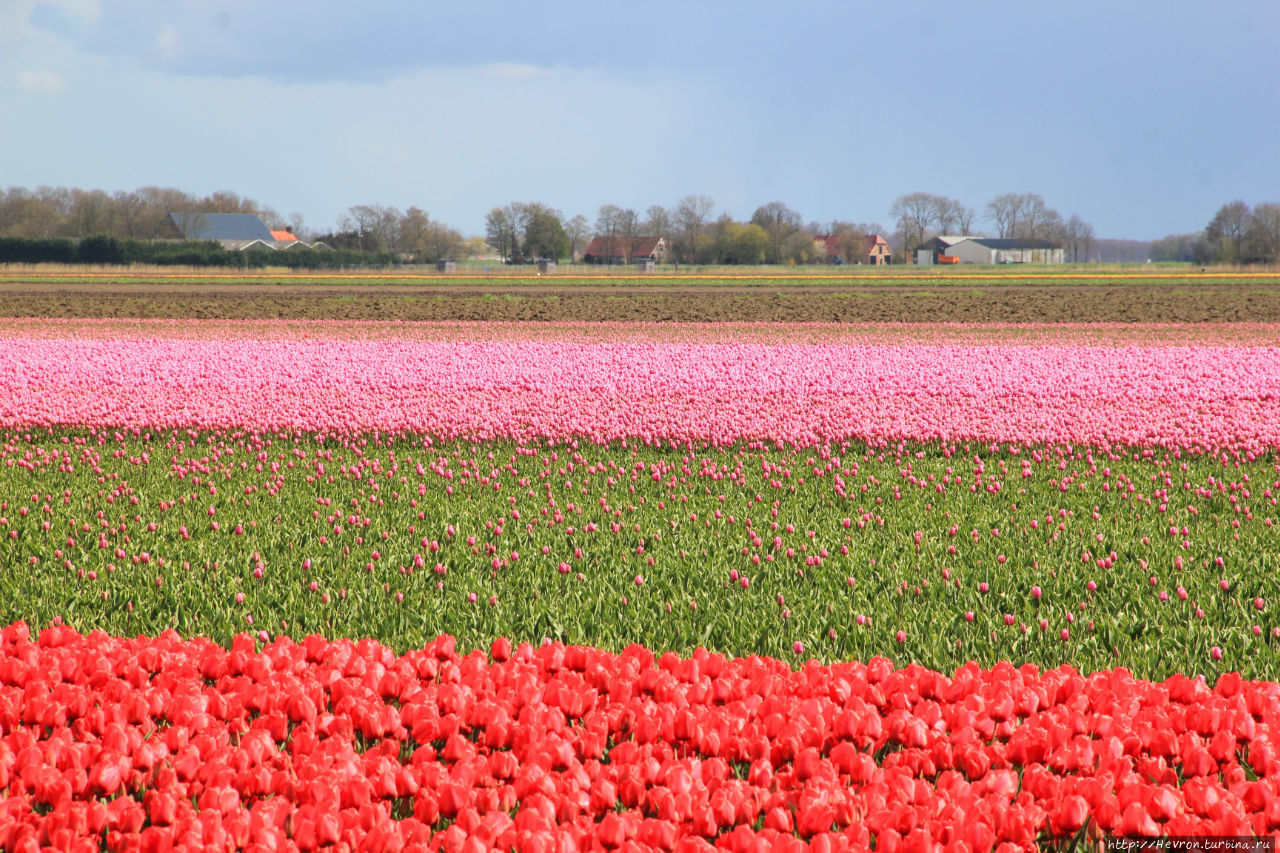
(539, 586)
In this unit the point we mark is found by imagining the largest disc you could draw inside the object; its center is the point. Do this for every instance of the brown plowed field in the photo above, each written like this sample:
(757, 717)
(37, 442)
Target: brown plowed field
(1000, 299)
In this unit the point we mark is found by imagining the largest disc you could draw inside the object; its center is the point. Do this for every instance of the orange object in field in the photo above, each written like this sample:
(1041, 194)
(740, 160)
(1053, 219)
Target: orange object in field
(947, 259)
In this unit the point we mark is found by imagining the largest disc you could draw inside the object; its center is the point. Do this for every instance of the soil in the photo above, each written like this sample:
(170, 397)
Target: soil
(988, 301)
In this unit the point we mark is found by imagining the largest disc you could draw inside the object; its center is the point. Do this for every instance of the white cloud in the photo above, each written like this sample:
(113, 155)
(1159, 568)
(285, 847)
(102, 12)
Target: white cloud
(16, 16)
(166, 44)
(45, 82)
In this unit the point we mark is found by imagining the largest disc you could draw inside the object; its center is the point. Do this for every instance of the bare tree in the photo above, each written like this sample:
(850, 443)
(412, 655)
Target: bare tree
(1036, 219)
(915, 215)
(443, 242)
(1005, 212)
(1262, 236)
(629, 231)
(952, 216)
(657, 222)
(578, 230)
(608, 225)
(690, 218)
(90, 213)
(376, 227)
(298, 225)
(1078, 237)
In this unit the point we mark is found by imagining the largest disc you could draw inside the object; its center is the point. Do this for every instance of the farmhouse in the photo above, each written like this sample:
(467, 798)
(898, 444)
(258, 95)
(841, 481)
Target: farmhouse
(869, 249)
(235, 231)
(623, 250)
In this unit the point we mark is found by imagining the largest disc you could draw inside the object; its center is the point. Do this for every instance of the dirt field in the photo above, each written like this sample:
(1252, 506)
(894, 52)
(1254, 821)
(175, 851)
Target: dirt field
(999, 299)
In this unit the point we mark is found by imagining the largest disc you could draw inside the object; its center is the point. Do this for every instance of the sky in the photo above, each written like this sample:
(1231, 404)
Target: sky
(1141, 117)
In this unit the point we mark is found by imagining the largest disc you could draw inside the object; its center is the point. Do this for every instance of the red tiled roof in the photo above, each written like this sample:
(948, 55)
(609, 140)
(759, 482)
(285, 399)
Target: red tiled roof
(283, 236)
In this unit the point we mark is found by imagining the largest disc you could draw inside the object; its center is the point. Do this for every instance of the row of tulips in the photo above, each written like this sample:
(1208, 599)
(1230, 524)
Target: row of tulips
(152, 743)
(704, 394)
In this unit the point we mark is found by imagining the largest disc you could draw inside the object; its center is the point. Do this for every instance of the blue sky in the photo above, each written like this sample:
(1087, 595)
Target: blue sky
(1141, 117)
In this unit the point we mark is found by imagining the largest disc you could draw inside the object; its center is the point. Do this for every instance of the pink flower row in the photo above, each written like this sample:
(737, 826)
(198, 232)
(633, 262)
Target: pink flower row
(806, 394)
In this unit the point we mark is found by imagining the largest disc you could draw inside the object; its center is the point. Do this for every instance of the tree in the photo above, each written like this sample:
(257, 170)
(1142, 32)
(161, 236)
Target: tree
(476, 247)
(90, 213)
(628, 231)
(376, 227)
(24, 214)
(1262, 236)
(544, 237)
(1176, 247)
(578, 230)
(951, 216)
(414, 232)
(1036, 219)
(608, 223)
(689, 220)
(1226, 231)
(1078, 236)
(1004, 211)
(746, 244)
(657, 222)
(500, 232)
(781, 224)
(915, 215)
(444, 242)
(298, 225)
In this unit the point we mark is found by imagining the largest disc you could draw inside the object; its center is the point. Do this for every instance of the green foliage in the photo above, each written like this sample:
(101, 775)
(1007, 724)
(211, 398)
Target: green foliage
(551, 538)
(39, 250)
(100, 249)
(545, 237)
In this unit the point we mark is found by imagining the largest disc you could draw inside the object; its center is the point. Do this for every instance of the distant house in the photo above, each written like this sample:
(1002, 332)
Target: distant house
(236, 232)
(871, 249)
(625, 250)
(991, 250)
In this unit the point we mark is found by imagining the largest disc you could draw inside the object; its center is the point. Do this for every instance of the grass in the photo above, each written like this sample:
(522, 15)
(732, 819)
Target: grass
(101, 545)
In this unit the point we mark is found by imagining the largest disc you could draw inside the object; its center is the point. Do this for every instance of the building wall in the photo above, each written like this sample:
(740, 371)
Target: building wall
(970, 252)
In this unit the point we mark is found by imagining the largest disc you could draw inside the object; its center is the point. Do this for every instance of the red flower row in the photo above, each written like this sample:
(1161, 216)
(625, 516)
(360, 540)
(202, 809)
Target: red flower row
(155, 743)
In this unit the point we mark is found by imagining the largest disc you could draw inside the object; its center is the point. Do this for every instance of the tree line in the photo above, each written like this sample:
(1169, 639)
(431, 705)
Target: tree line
(523, 231)
(693, 230)
(690, 228)
(141, 214)
(1237, 234)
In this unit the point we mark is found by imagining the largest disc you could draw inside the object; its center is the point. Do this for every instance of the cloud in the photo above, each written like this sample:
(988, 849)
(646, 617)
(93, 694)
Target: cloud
(166, 44)
(21, 19)
(44, 82)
